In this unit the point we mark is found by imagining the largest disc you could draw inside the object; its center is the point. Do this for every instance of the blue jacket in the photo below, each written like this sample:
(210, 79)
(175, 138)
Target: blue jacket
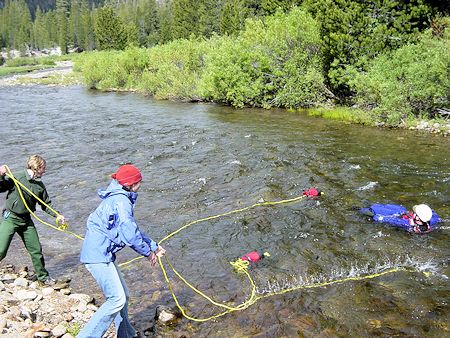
(111, 227)
(398, 216)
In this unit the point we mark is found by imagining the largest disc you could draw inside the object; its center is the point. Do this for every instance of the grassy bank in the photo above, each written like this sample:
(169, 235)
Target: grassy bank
(7, 71)
(52, 70)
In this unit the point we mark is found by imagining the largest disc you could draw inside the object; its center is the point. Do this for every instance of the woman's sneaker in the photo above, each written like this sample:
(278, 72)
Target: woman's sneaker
(54, 283)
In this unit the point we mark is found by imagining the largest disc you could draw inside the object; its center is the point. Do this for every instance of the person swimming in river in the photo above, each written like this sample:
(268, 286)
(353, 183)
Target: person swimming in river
(420, 220)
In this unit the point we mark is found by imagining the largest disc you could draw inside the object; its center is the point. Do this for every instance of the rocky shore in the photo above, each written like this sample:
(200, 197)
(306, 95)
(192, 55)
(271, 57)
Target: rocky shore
(28, 310)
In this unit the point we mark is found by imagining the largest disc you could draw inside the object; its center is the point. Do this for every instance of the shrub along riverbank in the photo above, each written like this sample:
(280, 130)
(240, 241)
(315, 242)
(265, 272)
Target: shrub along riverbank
(277, 62)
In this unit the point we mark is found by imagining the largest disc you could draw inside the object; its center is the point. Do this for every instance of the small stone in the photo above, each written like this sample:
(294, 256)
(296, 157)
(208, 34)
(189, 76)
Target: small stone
(47, 291)
(165, 315)
(42, 334)
(82, 297)
(92, 307)
(25, 294)
(82, 307)
(59, 330)
(66, 291)
(68, 317)
(22, 282)
(3, 323)
(67, 335)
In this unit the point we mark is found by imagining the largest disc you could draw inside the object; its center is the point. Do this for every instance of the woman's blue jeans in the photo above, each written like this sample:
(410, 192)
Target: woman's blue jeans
(115, 308)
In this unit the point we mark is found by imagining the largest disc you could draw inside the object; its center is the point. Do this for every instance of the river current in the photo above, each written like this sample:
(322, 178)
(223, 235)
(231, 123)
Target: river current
(202, 160)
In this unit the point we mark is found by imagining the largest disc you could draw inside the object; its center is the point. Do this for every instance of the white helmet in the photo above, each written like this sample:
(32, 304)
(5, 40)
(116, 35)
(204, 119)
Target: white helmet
(423, 211)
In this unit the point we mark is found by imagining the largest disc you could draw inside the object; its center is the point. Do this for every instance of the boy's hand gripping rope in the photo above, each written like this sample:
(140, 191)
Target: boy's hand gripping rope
(20, 186)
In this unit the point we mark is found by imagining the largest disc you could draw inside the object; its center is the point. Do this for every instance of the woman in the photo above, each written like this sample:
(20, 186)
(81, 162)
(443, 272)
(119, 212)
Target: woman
(110, 228)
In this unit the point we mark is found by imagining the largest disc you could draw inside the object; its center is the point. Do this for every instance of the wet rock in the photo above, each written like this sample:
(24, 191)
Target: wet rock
(165, 315)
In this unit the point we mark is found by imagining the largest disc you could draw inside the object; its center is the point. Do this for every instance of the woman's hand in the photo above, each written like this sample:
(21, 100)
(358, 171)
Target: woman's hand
(159, 252)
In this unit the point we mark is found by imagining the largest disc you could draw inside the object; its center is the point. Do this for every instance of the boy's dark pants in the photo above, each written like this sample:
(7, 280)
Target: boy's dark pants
(26, 230)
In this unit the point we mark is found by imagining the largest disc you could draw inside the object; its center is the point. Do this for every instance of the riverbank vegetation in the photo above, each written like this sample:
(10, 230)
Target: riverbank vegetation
(386, 61)
(279, 61)
(25, 65)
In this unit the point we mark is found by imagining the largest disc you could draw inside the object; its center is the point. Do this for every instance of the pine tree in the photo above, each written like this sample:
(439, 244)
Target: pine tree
(209, 17)
(356, 31)
(41, 37)
(51, 26)
(232, 17)
(88, 39)
(148, 22)
(16, 25)
(165, 19)
(185, 18)
(62, 9)
(109, 29)
(76, 33)
(269, 7)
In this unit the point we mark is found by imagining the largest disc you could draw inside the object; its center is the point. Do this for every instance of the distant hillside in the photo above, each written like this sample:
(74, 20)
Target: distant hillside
(32, 4)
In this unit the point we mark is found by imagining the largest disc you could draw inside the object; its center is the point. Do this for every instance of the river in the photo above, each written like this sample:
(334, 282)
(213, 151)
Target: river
(201, 160)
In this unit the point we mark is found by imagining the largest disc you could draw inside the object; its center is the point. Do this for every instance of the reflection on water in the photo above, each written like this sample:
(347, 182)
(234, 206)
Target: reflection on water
(203, 160)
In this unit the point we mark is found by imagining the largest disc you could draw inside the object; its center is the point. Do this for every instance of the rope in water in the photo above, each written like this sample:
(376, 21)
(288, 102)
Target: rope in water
(239, 265)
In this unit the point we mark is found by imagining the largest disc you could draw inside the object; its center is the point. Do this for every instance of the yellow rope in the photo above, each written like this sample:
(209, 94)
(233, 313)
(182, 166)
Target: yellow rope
(239, 265)
(20, 186)
(295, 199)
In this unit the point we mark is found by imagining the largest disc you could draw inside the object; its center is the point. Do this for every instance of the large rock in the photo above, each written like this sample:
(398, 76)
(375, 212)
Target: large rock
(165, 315)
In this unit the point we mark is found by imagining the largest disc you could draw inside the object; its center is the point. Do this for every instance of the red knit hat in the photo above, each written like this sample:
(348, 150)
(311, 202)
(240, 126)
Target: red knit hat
(127, 175)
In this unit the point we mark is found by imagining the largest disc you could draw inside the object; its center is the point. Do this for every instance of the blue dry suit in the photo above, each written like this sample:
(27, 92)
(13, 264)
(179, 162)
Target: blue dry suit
(398, 216)
(111, 227)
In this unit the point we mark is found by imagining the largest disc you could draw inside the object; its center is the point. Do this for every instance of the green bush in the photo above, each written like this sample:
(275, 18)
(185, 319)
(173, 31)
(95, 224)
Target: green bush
(274, 62)
(170, 71)
(413, 80)
(173, 70)
(101, 70)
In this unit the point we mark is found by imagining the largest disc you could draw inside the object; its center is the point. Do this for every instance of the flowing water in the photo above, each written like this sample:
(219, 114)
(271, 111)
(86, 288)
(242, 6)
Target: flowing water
(201, 160)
